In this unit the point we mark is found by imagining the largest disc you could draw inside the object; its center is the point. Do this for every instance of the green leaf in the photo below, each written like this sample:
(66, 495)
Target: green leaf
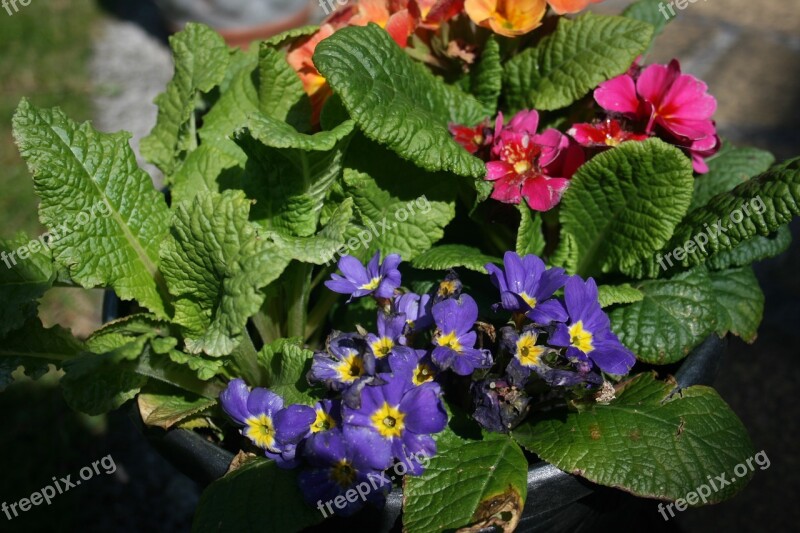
(647, 442)
(215, 264)
(35, 347)
(578, 56)
(623, 205)
(467, 483)
(618, 294)
(257, 496)
(486, 78)
(280, 90)
(289, 173)
(206, 169)
(287, 362)
(752, 250)
(321, 248)
(108, 217)
(398, 102)
(674, 316)
(204, 366)
(740, 302)
(201, 59)
(282, 38)
(649, 11)
(730, 167)
(530, 239)
(23, 280)
(450, 256)
(163, 406)
(381, 202)
(764, 204)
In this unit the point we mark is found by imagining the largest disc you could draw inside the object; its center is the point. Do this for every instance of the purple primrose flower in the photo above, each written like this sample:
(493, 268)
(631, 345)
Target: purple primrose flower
(455, 341)
(343, 363)
(417, 309)
(378, 279)
(390, 333)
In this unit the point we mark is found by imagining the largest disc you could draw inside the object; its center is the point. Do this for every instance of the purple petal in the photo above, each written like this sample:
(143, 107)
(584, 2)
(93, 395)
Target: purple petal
(369, 447)
(234, 401)
(263, 401)
(423, 409)
(293, 423)
(354, 270)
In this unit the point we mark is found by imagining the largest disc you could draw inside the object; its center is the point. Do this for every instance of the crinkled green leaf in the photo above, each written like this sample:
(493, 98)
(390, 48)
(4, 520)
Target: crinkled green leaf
(23, 280)
(321, 248)
(257, 496)
(674, 316)
(289, 173)
(280, 90)
(740, 302)
(752, 250)
(397, 101)
(450, 256)
(618, 294)
(486, 78)
(206, 169)
(204, 366)
(530, 239)
(108, 217)
(772, 200)
(164, 406)
(578, 56)
(201, 59)
(215, 263)
(730, 167)
(290, 35)
(467, 482)
(623, 205)
(648, 441)
(378, 201)
(287, 362)
(34, 347)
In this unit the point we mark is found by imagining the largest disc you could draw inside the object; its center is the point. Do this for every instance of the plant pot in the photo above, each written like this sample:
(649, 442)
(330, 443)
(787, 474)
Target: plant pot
(557, 501)
(240, 22)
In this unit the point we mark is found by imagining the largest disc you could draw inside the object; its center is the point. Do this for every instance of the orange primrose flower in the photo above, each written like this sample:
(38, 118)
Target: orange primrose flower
(510, 18)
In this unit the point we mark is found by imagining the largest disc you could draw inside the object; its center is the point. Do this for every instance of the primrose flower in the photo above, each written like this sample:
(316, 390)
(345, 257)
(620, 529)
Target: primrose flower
(510, 18)
(256, 411)
(378, 279)
(417, 310)
(300, 422)
(605, 134)
(476, 139)
(415, 366)
(533, 166)
(667, 103)
(343, 363)
(449, 287)
(570, 6)
(336, 467)
(396, 420)
(455, 341)
(526, 286)
(390, 331)
(431, 14)
(587, 335)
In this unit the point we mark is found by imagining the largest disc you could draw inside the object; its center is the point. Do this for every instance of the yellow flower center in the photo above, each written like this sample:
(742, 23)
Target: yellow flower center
(388, 420)
(350, 369)
(323, 422)
(422, 374)
(530, 300)
(382, 347)
(343, 473)
(521, 167)
(372, 285)
(450, 340)
(261, 431)
(447, 287)
(580, 338)
(528, 353)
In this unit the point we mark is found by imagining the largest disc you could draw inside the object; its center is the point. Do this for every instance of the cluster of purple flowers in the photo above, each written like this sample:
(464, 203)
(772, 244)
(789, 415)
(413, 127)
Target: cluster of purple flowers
(561, 342)
(389, 383)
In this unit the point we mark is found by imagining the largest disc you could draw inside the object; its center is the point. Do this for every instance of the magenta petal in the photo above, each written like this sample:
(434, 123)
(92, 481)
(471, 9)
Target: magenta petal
(525, 122)
(497, 169)
(542, 194)
(507, 191)
(619, 95)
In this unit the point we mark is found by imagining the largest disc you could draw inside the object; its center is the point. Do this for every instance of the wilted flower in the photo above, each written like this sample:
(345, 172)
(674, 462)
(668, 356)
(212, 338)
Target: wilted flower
(587, 335)
(526, 286)
(499, 405)
(379, 279)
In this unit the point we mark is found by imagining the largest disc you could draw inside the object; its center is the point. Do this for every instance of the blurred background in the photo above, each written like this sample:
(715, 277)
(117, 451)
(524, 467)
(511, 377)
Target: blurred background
(105, 61)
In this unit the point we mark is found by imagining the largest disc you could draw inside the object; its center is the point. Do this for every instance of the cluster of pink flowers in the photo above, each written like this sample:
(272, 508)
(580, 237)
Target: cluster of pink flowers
(656, 101)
